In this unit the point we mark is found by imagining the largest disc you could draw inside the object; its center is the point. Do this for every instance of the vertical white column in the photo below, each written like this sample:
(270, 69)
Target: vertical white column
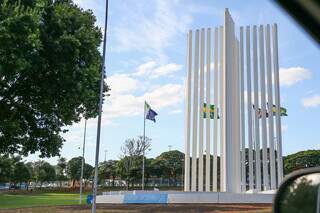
(263, 111)
(208, 61)
(222, 114)
(242, 115)
(236, 124)
(188, 111)
(249, 105)
(256, 107)
(215, 131)
(227, 67)
(201, 127)
(231, 107)
(277, 102)
(195, 114)
(270, 118)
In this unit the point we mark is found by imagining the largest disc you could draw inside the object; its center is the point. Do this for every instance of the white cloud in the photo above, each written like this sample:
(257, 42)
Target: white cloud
(292, 75)
(153, 70)
(122, 83)
(74, 136)
(123, 101)
(150, 26)
(312, 101)
(146, 68)
(166, 70)
(165, 96)
(128, 105)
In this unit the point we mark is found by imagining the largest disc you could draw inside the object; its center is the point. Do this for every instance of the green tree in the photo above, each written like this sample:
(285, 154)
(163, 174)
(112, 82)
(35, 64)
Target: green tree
(6, 169)
(129, 168)
(300, 160)
(108, 170)
(74, 170)
(30, 167)
(61, 170)
(300, 196)
(87, 171)
(171, 164)
(130, 164)
(43, 172)
(21, 173)
(149, 170)
(49, 73)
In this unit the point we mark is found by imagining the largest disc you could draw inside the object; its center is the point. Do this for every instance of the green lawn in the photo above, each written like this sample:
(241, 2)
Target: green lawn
(41, 199)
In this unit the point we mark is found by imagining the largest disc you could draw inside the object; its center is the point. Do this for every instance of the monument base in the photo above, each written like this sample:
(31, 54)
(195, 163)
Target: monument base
(165, 197)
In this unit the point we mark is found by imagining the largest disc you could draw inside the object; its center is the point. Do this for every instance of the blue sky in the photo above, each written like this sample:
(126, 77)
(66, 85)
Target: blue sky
(146, 61)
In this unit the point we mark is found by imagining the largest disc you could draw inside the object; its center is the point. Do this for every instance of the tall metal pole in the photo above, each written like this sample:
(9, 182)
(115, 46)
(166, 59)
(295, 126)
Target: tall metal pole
(242, 115)
(95, 183)
(270, 118)
(222, 111)
(277, 102)
(144, 142)
(105, 155)
(188, 112)
(256, 107)
(249, 108)
(266, 185)
(216, 98)
(195, 114)
(200, 167)
(208, 60)
(82, 163)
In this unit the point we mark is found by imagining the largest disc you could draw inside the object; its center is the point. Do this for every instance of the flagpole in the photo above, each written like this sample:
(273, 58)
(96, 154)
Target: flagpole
(95, 182)
(82, 163)
(144, 141)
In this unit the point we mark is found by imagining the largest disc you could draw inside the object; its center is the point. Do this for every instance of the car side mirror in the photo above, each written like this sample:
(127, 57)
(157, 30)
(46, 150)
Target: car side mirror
(299, 192)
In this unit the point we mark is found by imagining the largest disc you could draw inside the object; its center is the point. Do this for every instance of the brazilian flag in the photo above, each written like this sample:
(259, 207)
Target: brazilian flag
(283, 111)
(212, 108)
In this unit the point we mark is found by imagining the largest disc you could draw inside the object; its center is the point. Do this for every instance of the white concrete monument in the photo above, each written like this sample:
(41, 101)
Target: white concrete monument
(224, 117)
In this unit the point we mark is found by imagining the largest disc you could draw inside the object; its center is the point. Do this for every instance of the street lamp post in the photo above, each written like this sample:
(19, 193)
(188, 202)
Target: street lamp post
(82, 164)
(105, 155)
(95, 182)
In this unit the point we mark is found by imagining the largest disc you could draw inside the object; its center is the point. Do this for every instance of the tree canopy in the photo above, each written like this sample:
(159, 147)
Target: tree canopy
(61, 169)
(21, 173)
(74, 169)
(300, 160)
(49, 73)
(171, 164)
(108, 170)
(43, 172)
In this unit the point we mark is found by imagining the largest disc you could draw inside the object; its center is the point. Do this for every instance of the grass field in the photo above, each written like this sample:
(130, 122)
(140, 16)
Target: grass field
(39, 199)
(62, 202)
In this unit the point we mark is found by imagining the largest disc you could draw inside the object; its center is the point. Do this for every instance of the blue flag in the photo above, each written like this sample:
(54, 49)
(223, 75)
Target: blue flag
(150, 114)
